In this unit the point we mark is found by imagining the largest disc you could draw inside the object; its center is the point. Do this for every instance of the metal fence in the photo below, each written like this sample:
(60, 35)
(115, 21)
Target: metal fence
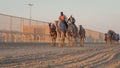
(18, 29)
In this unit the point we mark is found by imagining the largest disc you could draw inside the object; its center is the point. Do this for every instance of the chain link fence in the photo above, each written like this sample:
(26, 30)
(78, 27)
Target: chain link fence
(18, 29)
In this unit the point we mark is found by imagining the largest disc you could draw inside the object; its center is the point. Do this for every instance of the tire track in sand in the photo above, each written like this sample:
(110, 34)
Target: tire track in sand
(103, 56)
(68, 59)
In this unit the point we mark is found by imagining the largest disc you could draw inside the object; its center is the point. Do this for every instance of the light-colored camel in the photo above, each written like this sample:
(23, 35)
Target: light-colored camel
(61, 35)
(72, 34)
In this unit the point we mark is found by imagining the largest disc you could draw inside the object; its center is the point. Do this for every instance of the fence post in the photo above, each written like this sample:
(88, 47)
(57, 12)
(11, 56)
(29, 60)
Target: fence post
(10, 38)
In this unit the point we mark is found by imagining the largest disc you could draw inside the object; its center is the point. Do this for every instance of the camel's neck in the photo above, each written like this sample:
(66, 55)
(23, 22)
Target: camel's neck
(56, 25)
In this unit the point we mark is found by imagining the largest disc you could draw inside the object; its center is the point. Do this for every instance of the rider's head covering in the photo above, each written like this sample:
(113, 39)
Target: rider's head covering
(70, 15)
(61, 13)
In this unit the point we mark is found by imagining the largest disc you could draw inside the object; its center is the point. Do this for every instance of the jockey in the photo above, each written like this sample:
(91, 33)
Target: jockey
(111, 33)
(62, 19)
(71, 21)
(117, 36)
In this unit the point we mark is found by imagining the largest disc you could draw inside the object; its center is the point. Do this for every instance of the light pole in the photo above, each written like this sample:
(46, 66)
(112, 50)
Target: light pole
(30, 15)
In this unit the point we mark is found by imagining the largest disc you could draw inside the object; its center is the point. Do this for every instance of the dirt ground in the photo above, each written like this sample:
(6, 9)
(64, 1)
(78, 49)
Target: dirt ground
(44, 56)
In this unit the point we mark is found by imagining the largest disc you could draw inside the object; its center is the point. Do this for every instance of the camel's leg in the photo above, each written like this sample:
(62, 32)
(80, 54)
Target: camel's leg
(68, 41)
(63, 42)
(60, 43)
(117, 42)
(109, 41)
(72, 40)
(51, 41)
(59, 38)
(75, 41)
(81, 41)
(54, 42)
(62, 38)
(106, 41)
(59, 34)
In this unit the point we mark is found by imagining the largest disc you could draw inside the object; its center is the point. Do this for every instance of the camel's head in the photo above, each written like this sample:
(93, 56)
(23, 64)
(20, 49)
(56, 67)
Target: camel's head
(80, 25)
(56, 22)
(49, 24)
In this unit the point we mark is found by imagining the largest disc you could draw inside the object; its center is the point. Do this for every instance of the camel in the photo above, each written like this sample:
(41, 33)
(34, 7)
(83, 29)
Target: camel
(81, 35)
(111, 37)
(72, 33)
(61, 34)
(53, 34)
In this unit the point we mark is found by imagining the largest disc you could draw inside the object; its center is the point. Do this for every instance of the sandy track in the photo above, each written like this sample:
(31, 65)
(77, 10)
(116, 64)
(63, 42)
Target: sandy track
(90, 56)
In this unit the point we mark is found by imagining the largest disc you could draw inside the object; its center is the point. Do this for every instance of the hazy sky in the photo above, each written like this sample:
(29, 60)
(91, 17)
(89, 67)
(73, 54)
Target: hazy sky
(98, 15)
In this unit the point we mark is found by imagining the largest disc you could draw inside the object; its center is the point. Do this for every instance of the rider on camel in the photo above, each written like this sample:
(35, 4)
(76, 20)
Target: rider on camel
(71, 21)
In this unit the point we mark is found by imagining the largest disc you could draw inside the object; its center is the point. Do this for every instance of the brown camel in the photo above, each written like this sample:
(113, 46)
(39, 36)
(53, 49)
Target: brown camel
(111, 37)
(53, 34)
(81, 35)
